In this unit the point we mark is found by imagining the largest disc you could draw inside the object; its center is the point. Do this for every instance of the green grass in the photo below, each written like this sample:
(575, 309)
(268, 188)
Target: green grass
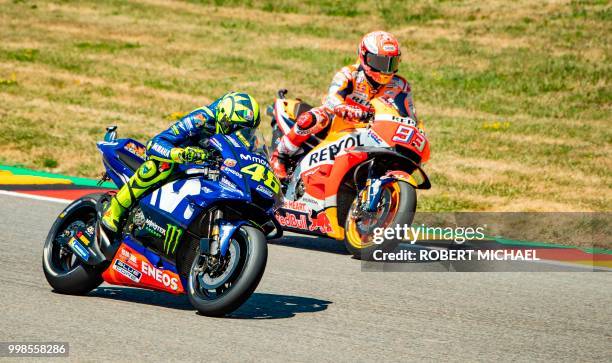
(49, 162)
(516, 96)
(105, 46)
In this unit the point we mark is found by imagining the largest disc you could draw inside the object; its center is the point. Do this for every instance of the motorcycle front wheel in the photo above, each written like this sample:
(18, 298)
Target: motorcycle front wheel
(397, 206)
(218, 287)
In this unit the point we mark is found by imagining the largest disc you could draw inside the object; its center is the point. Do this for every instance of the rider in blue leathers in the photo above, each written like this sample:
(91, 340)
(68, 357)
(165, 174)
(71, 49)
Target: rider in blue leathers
(176, 145)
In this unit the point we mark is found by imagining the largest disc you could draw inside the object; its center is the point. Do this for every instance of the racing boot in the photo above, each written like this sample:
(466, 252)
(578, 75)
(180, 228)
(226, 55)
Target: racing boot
(112, 215)
(277, 162)
(308, 123)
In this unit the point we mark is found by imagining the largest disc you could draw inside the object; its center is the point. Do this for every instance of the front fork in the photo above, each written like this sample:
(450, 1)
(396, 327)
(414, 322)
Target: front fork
(369, 196)
(220, 234)
(210, 244)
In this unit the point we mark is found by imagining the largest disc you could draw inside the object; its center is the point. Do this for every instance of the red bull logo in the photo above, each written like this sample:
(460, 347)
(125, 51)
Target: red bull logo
(290, 220)
(320, 222)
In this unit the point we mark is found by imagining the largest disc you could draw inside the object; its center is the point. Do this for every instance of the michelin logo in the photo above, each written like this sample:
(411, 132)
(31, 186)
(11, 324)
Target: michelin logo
(78, 249)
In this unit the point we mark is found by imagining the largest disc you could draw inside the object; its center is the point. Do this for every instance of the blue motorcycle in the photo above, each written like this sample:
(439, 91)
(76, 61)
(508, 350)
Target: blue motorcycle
(202, 233)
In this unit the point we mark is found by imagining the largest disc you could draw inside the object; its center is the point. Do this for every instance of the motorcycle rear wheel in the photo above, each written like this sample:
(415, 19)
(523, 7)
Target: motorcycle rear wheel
(397, 207)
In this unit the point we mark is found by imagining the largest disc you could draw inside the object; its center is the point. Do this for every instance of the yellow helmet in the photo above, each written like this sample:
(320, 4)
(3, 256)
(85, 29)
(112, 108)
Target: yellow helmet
(236, 110)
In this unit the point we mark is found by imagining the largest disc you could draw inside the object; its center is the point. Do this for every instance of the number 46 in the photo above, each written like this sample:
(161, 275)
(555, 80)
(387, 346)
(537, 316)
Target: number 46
(259, 172)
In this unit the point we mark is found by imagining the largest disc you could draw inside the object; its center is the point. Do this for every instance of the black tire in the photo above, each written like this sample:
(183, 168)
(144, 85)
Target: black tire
(405, 214)
(78, 279)
(244, 280)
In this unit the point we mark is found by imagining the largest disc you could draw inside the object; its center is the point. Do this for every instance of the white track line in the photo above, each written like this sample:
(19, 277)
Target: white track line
(37, 197)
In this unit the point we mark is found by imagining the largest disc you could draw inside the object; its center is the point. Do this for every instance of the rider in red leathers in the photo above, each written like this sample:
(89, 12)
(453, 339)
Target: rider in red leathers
(374, 75)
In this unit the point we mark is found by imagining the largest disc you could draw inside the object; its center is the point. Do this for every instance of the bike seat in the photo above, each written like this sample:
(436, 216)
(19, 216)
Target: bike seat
(130, 160)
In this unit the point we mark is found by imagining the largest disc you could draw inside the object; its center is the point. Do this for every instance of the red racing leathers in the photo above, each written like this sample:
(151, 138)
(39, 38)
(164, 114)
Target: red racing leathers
(349, 83)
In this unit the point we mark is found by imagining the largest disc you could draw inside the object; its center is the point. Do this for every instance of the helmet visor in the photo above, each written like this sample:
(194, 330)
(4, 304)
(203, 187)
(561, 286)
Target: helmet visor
(224, 125)
(382, 63)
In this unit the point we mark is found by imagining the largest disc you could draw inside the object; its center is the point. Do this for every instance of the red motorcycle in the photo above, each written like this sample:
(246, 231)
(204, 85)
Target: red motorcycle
(352, 178)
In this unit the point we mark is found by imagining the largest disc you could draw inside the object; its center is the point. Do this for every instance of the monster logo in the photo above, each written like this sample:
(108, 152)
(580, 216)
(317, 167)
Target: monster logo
(173, 234)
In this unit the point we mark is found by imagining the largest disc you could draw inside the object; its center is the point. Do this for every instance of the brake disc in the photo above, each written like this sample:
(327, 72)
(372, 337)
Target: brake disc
(232, 258)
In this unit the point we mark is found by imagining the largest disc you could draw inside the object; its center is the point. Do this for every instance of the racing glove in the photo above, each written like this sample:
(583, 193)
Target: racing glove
(351, 112)
(189, 154)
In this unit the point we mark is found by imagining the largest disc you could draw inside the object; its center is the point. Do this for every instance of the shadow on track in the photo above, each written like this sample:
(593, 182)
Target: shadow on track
(142, 296)
(272, 306)
(259, 305)
(311, 243)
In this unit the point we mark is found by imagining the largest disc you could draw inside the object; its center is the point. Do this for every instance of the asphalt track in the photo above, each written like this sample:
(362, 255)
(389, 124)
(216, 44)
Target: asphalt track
(314, 304)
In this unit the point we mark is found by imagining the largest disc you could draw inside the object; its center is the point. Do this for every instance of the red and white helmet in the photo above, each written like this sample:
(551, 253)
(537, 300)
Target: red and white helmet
(379, 55)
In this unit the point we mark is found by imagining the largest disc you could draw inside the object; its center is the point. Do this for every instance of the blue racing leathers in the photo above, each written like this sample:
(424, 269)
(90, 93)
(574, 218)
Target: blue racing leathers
(199, 124)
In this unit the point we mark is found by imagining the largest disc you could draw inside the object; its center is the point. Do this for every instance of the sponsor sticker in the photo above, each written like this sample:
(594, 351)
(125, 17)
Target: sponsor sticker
(292, 220)
(78, 248)
(329, 153)
(198, 120)
(264, 190)
(217, 144)
(129, 258)
(374, 137)
(233, 141)
(83, 238)
(320, 222)
(161, 150)
(228, 184)
(173, 234)
(229, 163)
(127, 270)
(168, 279)
(232, 171)
(154, 228)
(254, 158)
(295, 205)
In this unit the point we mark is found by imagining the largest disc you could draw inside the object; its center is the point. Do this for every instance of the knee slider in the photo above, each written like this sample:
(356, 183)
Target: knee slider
(147, 170)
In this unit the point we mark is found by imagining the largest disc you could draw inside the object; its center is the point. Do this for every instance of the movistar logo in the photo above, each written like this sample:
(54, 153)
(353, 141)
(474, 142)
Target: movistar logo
(249, 157)
(173, 234)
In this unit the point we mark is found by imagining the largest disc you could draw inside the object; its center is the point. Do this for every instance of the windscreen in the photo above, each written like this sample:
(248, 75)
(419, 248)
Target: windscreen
(253, 139)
